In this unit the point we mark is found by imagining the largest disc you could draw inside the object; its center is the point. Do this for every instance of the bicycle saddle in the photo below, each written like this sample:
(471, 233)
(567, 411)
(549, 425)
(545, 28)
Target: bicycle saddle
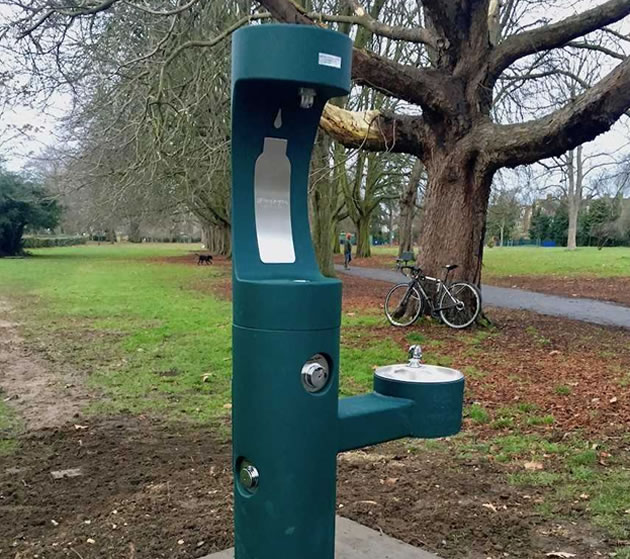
(450, 267)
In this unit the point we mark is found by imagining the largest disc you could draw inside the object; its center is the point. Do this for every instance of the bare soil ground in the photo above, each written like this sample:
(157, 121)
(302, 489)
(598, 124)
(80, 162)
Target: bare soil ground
(146, 489)
(42, 394)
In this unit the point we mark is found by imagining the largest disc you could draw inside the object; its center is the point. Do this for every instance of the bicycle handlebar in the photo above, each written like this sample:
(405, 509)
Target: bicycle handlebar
(415, 269)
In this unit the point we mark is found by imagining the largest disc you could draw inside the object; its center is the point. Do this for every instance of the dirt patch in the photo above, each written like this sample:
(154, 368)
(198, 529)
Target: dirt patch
(142, 490)
(360, 294)
(456, 508)
(386, 261)
(147, 490)
(42, 395)
(616, 289)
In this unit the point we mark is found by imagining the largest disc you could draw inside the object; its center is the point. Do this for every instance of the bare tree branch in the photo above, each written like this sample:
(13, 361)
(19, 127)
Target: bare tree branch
(557, 34)
(396, 32)
(372, 130)
(173, 12)
(583, 119)
(599, 48)
(72, 13)
(421, 86)
(206, 44)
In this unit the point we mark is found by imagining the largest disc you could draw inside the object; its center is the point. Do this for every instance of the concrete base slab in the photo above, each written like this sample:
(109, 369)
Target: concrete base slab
(355, 541)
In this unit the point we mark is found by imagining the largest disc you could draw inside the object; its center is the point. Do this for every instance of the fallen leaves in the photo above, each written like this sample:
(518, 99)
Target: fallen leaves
(533, 466)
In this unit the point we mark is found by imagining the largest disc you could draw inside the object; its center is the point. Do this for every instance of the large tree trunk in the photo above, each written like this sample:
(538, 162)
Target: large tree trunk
(11, 239)
(574, 210)
(408, 209)
(363, 237)
(575, 181)
(323, 204)
(457, 200)
(133, 234)
(336, 232)
(322, 227)
(217, 238)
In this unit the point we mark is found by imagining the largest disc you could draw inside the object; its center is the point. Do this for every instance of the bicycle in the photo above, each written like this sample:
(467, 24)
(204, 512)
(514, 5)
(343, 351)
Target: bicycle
(457, 304)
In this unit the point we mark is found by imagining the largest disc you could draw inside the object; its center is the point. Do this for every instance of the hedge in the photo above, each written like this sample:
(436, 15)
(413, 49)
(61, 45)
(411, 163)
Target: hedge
(47, 242)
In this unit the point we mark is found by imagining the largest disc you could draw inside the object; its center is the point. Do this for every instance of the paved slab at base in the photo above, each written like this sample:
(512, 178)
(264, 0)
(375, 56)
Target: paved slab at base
(355, 541)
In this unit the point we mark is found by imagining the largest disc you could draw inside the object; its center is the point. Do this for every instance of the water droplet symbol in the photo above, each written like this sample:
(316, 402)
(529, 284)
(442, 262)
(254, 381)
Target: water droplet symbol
(278, 122)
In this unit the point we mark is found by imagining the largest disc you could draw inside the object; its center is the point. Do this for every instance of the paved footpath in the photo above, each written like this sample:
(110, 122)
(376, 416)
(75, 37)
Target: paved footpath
(586, 310)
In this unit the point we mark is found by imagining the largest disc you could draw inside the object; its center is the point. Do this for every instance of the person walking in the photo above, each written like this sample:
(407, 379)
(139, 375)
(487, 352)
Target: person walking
(347, 251)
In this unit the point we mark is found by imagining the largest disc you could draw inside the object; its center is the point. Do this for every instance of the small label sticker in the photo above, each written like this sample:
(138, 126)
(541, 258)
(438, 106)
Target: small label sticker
(329, 60)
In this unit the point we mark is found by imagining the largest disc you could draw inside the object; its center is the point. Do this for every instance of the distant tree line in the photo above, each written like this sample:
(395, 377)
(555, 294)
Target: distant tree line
(604, 221)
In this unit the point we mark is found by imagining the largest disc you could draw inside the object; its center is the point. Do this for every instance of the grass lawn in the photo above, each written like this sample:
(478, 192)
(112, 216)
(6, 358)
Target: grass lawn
(147, 339)
(154, 338)
(556, 261)
(151, 336)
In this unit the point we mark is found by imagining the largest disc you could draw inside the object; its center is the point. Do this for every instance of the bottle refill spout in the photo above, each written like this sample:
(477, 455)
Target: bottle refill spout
(288, 423)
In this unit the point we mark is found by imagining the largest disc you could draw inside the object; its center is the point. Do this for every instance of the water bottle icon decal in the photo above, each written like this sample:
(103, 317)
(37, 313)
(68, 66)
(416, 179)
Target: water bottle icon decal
(272, 188)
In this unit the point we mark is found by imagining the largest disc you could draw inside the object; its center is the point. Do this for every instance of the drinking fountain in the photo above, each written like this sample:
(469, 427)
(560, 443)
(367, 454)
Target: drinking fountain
(288, 422)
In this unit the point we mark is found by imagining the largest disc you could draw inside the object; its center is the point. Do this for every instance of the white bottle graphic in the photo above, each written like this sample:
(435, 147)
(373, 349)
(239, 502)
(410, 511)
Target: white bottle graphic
(272, 194)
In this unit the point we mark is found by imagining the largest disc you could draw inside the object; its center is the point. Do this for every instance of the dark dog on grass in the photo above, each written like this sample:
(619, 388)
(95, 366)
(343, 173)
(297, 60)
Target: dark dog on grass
(204, 259)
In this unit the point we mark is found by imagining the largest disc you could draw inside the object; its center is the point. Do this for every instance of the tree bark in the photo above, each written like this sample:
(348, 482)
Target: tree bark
(575, 178)
(133, 234)
(457, 201)
(363, 249)
(323, 204)
(408, 201)
(336, 245)
(217, 238)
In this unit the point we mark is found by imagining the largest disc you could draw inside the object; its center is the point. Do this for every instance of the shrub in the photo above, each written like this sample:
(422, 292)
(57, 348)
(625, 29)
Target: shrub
(33, 241)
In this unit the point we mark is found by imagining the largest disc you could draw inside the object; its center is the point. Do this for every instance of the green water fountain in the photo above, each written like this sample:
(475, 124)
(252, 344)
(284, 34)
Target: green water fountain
(288, 422)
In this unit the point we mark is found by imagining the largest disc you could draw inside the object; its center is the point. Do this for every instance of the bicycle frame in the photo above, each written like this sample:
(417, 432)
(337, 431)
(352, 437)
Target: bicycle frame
(432, 301)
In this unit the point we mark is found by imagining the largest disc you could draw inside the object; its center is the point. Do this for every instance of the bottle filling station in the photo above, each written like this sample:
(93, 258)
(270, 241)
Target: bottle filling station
(288, 422)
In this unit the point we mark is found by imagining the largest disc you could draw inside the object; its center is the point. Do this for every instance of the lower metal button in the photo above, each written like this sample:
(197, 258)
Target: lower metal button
(315, 373)
(248, 476)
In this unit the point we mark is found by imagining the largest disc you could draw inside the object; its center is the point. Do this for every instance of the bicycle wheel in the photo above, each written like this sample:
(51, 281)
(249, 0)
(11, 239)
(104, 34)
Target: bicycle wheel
(462, 307)
(403, 304)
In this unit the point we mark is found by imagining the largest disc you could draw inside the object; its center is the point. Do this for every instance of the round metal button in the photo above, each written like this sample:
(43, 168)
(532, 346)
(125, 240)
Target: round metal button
(248, 476)
(315, 373)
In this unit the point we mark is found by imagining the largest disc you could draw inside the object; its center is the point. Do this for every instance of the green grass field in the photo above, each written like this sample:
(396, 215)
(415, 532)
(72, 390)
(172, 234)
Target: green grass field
(149, 339)
(153, 337)
(557, 261)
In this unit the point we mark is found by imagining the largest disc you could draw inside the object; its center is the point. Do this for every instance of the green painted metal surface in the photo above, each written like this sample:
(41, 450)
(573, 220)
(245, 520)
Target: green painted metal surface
(437, 410)
(285, 311)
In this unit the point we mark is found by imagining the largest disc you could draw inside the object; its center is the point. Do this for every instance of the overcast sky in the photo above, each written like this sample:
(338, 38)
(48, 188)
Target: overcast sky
(18, 145)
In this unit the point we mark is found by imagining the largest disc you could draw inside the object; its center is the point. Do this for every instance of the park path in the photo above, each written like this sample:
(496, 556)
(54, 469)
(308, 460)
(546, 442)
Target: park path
(40, 392)
(586, 310)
